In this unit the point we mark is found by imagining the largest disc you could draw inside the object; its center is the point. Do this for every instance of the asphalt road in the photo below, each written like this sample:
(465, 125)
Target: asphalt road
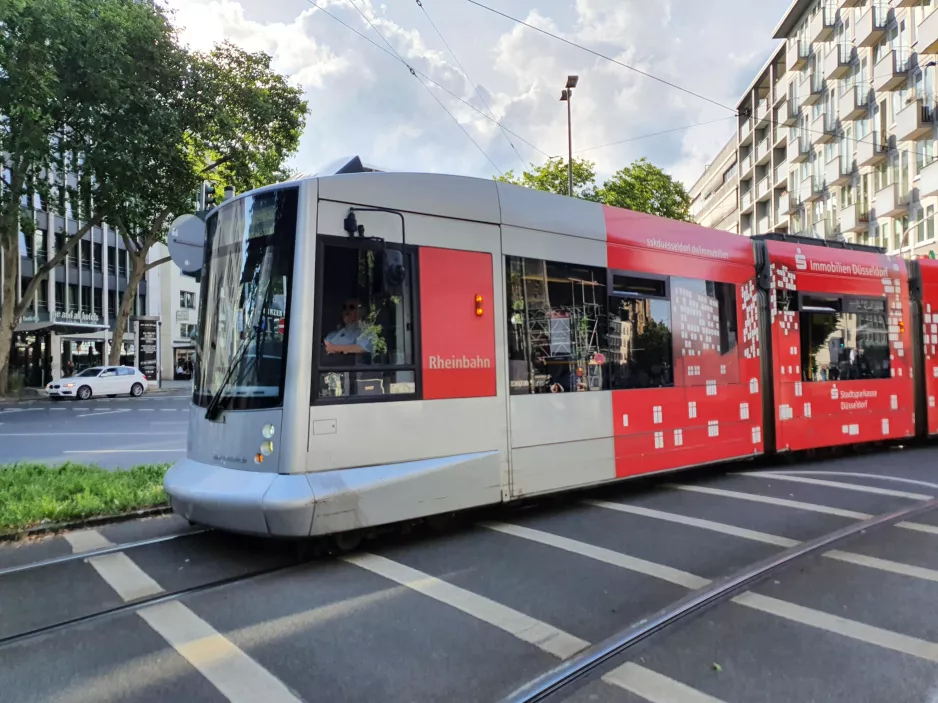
(471, 614)
(112, 432)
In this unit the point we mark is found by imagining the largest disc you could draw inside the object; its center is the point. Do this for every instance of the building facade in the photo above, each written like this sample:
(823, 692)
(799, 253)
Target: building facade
(174, 297)
(836, 134)
(715, 195)
(69, 324)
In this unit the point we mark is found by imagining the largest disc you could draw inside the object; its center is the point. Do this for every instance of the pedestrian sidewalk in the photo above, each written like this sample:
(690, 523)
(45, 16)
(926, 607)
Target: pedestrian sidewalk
(169, 386)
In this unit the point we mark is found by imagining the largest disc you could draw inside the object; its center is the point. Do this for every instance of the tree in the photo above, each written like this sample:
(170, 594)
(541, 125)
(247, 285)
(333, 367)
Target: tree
(59, 82)
(553, 176)
(234, 121)
(643, 187)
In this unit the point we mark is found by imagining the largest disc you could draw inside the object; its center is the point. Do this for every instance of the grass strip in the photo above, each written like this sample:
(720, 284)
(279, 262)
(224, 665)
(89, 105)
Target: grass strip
(32, 494)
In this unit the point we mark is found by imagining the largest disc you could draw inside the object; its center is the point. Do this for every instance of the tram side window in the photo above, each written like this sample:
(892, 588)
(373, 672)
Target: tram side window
(705, 330)
(365, 323)
(843, 338)
(556, 327)
(640, 341)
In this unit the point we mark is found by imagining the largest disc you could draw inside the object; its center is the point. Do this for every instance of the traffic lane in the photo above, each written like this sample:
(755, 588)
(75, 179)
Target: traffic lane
(333, 632)
(121, 659)
(112, 449)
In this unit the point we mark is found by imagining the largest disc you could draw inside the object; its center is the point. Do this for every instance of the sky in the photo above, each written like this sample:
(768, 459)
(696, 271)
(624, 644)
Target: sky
(365, 102)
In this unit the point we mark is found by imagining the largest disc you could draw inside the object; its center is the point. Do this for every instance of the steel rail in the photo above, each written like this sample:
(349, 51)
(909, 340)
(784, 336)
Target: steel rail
(581, 665)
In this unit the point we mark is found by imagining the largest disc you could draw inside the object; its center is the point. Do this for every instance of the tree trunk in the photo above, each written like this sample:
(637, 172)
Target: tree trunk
(138, 266)
(10, 248)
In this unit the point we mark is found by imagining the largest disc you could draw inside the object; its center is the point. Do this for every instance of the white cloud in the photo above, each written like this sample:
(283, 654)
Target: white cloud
(363, 101)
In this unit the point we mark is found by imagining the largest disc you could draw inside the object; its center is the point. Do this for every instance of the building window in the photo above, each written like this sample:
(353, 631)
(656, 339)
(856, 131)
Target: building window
(187, 300)
(42, 296)
(42, 246)
(842, 337)
(73, 298)
(26, 246)
(930, 223)
(186, 331)
(86, 299)
(85, 247)
(556, 327)
(366, 322)
(640, 340)
(98, 298)
(111, 259)
(96, 253)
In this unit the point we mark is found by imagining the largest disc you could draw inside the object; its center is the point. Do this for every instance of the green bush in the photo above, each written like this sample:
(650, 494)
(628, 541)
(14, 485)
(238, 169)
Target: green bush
(32, 493)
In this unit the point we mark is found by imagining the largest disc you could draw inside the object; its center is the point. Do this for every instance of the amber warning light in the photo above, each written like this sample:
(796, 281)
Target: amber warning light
(478, 306)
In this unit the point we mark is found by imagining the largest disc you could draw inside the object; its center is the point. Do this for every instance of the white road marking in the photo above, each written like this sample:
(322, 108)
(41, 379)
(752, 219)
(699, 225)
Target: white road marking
(695, 522)
(840, 484)
(623, 561)
(169, 410)
(852, 474)
(654, 687)
(540, 634)
(145, 410)
(237, 677)
(98, 413)
(797, 505)
(858, 559)
(120, 451)
(886, 639)
(812, 507)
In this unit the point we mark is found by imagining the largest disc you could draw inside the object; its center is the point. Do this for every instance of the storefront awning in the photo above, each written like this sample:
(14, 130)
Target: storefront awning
(60, 327)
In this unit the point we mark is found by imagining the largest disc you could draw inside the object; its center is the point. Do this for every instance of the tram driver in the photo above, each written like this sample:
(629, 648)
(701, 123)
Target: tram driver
(351, 337)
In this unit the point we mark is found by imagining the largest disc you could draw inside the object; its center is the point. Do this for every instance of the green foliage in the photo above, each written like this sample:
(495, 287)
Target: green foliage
(553, 176)
(31, 493)
(641, 186)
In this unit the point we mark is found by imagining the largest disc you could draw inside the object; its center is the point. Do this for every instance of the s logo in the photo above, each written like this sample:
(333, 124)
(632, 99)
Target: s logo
(801, 261)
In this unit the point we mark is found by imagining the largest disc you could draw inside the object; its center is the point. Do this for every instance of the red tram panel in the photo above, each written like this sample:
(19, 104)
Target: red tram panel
(843, 403)
(929, 274)
(713, 412)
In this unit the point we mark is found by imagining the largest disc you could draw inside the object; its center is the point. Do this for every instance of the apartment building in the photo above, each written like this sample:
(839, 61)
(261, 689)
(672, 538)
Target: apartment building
(836, 134)
(174, 297)
(715, 196)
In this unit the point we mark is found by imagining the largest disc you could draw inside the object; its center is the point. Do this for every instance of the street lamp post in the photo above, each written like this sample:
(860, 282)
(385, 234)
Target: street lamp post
(567, 96)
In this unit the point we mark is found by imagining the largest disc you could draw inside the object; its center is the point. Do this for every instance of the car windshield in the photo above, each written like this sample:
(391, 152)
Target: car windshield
(245, 301)
(89, 372)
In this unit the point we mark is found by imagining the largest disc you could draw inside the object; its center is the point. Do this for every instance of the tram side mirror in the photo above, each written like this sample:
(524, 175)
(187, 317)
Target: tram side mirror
(186, 243)
(393, 271)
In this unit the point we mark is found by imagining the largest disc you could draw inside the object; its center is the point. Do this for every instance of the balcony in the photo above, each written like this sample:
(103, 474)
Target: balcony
(745, 131)
(784, 206)
(781, 176)
(872, 25)
(798, 53)
(763, 151)
(779, 137)
(798, 150)
(779, 90)
(821, 26)
(763, 225)
(823, 129)
(811, 189)
(763, 111)
(854, 103)
(905, 3)
(745, 166)
(928, 34)
(891, 71)
(745, 202)
(891, 201)
(854, 219)
(837, 61)
(851, 3)
(928, 181)
(915, 120)
(788, 113)
(872, 150)
(764, 189)
(822, 229)
(812, 88)
(839, 171)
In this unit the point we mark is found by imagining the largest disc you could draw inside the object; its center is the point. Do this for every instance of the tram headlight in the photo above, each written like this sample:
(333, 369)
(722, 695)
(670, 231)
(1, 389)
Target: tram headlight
(267, 448)
(269, 431)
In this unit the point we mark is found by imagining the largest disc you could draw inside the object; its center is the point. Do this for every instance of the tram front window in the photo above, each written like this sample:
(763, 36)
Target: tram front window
(246, 280)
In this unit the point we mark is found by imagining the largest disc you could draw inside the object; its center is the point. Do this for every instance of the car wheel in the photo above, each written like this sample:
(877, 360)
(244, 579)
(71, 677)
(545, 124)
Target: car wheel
(136, 390)
(84, 393)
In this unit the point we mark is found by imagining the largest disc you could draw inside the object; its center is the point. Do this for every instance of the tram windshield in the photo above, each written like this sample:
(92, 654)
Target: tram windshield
(246, 280)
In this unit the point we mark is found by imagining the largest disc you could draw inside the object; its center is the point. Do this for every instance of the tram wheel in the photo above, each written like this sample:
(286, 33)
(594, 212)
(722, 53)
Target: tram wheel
(442, 523)
(347, 541)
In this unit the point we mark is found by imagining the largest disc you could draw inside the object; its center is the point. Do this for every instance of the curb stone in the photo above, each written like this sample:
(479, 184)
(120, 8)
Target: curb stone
(53, 528)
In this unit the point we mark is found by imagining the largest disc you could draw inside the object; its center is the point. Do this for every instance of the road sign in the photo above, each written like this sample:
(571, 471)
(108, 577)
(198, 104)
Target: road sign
(281, 325)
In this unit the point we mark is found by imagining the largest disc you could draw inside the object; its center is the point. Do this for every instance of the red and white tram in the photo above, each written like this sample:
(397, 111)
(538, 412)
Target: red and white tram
(377, 347)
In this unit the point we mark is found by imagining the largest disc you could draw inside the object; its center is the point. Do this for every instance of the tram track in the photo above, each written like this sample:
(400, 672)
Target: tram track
(553, 685)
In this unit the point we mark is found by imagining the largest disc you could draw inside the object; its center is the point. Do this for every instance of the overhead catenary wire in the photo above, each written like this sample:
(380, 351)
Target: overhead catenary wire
(602, 56)
(471, 82)
(426, 87)
(654, 134)
(420, 75)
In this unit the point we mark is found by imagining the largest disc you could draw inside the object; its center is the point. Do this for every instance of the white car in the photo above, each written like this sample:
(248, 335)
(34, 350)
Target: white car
(99, 381)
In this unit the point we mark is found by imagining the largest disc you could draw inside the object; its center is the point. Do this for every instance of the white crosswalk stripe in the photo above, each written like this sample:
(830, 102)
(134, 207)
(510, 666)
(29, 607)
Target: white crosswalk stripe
(840, 484)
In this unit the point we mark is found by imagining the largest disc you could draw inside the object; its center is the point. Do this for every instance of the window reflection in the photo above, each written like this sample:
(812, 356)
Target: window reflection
(844, 339)
(640, 343)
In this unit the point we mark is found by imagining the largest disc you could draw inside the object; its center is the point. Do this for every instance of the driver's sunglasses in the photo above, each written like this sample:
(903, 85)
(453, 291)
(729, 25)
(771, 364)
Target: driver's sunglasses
(350, 306)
